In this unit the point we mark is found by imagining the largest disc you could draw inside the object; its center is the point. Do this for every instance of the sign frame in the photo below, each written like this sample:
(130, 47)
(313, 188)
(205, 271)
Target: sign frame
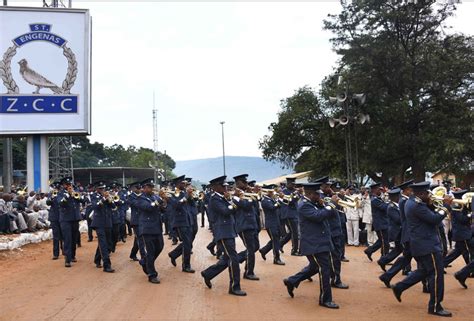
(87, 76)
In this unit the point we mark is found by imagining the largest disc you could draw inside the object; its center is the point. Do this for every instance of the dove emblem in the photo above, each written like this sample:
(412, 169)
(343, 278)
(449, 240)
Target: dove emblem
(35, 79)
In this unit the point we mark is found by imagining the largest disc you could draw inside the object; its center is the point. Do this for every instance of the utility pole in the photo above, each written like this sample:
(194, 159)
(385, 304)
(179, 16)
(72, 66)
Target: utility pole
(223, 146)
(155, 137)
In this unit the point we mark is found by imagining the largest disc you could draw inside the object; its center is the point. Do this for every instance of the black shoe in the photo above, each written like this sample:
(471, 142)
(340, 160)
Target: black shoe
(124, 240)
(382, 266)
(173, 260)
(237, 292)
(98, 265)
(154, 280)
(339, 285)
(441, 313)
(74, 260)
(251, 277)
(397, 293)
(206, 281)
(369, 255)
(289, 287)
(165, 233)
(460, 280)
(55, 257)
(109, 270)
(344, 260)
(386, 282)
(134, 258)
(295, 253)
(211, 249)
(169, 237)
(67, 264)
(174, 243)
(278, 262)
(89, 240)
(263, 255)
(310, 279)
(329, 305)
(188, 270)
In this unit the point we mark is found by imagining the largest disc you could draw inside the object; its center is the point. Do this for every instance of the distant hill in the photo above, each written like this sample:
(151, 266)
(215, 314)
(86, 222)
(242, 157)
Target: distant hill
(205, 169)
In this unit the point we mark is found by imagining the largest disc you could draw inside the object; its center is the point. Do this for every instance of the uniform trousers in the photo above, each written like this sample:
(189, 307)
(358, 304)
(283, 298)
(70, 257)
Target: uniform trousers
(69, 233)
(292, 234)
(102, 252)
(352, 227)
(248, 238)
(381, 243)
(402, 263)
(153, 246)
(335, 257)
(430, 267)
(56, 228)
(137, 245)
(464, 248)
(185, 247)
(318, 263)
(229, 260)
(392, 254)
(273, 244)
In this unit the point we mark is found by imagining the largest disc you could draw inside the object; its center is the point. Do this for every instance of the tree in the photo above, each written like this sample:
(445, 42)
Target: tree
(419, 83)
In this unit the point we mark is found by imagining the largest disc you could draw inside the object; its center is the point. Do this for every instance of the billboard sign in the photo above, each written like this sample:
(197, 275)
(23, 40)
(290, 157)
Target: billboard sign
(44, 71)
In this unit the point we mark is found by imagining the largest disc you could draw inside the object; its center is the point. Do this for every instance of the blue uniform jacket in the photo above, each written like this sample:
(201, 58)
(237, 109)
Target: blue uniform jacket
(224, 226)
(245, 218)
(423, 228)
(395, 230)
(149, 217)
(461, 225)
(292, 208)
(132, 198)
(69, 209)
(334, 221)
(315, 233)
(53, 214)
(270, 209)
(102, 217)
(180, 216)
(405, 237)
(379, 214)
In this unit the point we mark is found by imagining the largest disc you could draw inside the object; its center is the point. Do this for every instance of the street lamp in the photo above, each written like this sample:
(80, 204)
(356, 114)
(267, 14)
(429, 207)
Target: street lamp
(223, 148)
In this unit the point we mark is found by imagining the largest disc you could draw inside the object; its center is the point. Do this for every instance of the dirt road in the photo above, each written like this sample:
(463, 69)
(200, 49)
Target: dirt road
(33, 287)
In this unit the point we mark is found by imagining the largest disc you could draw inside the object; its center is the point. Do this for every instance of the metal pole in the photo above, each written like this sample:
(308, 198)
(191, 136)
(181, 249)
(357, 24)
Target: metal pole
(223, 147)
(7, 165)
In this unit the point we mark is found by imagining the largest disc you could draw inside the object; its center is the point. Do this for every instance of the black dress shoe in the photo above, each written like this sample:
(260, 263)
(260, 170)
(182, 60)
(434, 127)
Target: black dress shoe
(397, 293)
(441, 313)
(251, 277)
(134, 258)
(174, 243)
(173, 260)
(237, 292)
(67, 264)
(154, 280)
(329, 305)
(263, 255)
(344, 260)
(206, 281)
(295, 253)
(460, 280)
(310, 279)
(188, 270)
(55, 257)
(369, 255)
(99, 266)
(340, 285)
(289, 287)
(382, 266)
(386, 282)
(73, 259)
(109, 270)
(89, 240)
(278, 262)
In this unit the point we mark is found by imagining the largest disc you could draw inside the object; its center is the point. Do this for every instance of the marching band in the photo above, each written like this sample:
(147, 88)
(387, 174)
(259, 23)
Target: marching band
(408, 220)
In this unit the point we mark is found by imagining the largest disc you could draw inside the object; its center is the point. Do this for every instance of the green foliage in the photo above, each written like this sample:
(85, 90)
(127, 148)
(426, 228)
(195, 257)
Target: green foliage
(419, 83)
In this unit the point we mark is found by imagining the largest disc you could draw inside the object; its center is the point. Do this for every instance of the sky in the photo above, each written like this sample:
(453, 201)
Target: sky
(205, 62)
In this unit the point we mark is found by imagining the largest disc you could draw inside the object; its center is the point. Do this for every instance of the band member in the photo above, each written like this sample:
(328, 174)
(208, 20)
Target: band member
(90, 191)
(138, 245)
(426, 248)
(272, 224)
(316, 243)
(461, 232)
(403, 262)
(102, 205)
(150, 230)
(336, 236)
(224, 233)
(246, 225)
(394, 233)
(182, 223)
(380, 222)
(69, 213)
(53, 217)
(291, 215)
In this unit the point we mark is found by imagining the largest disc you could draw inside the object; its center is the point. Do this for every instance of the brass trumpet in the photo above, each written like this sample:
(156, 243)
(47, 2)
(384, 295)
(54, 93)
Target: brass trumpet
(76, 195)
